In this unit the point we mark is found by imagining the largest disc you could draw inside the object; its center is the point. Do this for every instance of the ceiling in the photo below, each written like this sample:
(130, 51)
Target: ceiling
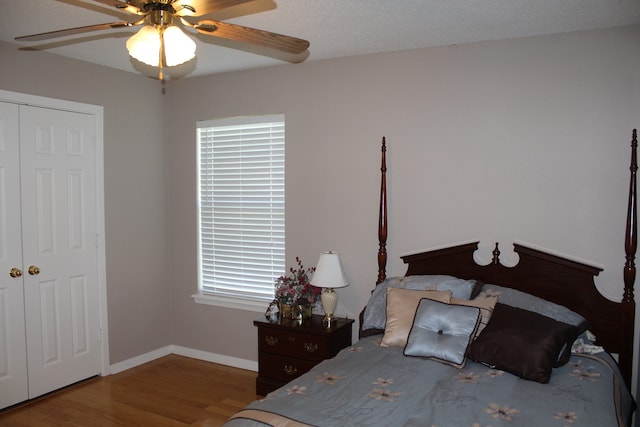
(335, 28)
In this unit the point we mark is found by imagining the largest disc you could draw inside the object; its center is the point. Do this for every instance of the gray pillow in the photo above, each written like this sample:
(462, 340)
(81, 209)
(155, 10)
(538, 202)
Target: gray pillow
(442, 332)
(526, 301)
(375, 313)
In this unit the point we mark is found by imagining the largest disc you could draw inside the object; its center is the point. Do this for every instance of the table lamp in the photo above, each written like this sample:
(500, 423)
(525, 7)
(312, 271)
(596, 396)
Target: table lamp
(329, 275)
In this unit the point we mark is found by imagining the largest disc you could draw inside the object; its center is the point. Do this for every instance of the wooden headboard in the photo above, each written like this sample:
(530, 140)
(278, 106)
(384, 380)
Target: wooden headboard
(547, 276)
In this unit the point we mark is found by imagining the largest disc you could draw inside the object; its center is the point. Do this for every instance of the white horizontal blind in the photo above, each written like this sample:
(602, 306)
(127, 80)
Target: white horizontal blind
(241, 206)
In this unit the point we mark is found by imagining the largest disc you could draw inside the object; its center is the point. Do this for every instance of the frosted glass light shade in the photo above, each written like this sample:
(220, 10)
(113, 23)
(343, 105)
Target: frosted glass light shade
(145, 46)
(178, 47)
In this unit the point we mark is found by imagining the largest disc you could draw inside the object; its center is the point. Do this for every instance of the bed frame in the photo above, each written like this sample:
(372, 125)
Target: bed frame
(547, 276)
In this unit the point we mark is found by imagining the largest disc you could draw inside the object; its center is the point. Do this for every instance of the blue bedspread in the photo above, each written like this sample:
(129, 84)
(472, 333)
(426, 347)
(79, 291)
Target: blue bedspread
(369, 385)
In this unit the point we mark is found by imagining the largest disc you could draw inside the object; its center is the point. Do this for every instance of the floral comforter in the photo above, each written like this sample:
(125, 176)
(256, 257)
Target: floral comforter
(369, 385)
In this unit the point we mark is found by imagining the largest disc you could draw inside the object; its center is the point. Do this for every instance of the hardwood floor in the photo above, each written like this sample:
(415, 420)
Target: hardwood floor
(171, 391)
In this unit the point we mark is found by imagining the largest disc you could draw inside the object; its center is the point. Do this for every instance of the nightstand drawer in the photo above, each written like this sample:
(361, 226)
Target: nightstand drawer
(292, 344)
(281, 368)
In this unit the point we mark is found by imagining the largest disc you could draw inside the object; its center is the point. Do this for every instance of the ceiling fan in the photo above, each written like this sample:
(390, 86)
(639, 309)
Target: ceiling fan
(161, 43)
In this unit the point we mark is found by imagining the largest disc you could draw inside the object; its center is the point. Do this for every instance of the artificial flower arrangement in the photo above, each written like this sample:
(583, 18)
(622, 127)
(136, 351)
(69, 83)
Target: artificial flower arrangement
(295, 289)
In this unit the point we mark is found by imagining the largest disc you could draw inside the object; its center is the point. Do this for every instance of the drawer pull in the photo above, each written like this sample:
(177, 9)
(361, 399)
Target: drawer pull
(291, 339)
(271, 340)
(310, 347)
(290, 370)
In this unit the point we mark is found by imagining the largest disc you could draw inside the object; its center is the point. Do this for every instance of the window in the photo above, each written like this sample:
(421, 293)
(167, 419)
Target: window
(241, 209)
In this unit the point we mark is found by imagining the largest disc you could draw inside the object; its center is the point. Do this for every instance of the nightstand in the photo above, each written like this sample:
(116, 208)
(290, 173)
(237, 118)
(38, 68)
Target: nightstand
(288, 348)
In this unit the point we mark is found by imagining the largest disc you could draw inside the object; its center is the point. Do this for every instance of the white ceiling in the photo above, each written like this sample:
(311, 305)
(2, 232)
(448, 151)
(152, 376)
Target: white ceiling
(335, 28)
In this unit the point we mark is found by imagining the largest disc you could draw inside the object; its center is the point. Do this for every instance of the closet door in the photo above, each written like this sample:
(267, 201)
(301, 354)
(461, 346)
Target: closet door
(59, 232)
(13, 357)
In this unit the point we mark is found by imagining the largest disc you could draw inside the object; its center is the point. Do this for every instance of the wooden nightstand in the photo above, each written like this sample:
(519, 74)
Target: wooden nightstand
(288, 349)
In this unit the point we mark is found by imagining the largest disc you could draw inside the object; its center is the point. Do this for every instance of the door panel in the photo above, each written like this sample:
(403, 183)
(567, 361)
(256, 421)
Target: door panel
(13, 358)
(59, 232)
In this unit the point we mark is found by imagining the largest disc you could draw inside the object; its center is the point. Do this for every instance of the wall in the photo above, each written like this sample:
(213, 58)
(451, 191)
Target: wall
(523, 140)
(137, 264)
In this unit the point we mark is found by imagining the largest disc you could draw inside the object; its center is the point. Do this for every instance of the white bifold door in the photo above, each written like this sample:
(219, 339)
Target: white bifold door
(50, 333)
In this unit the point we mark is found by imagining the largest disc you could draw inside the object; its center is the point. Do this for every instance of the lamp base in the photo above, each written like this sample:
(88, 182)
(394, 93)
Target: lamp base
(327, 320)
(329, 300)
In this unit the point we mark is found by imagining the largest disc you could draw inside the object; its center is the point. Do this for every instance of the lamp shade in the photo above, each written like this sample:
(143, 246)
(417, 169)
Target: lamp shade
(329, 272)
(145, 45)
(178, 47)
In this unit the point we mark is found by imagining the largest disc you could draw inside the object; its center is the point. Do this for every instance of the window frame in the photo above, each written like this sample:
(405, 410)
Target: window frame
(206, 294)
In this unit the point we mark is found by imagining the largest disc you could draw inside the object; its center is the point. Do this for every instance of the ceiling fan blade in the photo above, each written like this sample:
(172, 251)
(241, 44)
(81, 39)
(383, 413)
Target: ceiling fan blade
(125, 6)
(203, 7)
(251, 35)
(76, 30)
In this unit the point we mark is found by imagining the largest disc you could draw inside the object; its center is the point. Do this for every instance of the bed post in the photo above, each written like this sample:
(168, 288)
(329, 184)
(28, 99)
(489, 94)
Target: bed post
(630, 246)
(382, 217)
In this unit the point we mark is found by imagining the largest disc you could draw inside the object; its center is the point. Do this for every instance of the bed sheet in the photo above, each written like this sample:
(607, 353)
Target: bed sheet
(369, 385)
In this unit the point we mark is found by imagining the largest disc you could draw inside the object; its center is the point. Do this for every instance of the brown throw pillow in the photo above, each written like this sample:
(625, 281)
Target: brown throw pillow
(522, 342)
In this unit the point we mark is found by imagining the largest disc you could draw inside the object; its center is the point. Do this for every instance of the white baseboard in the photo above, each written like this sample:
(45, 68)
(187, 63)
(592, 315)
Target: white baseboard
(184, 351)
(139, 360)
(215, 358)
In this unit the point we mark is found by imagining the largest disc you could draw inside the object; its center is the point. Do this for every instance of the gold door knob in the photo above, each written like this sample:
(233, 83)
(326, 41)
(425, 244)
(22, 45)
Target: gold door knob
(15, 272)
(33, 270)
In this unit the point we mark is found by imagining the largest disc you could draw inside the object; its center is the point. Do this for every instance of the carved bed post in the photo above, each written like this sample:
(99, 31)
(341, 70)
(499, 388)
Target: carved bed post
(630, 246)
(382, 217)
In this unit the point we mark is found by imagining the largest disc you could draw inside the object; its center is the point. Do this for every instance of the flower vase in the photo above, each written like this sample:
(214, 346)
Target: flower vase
(301, 312)
(286, 311)
(307, 311)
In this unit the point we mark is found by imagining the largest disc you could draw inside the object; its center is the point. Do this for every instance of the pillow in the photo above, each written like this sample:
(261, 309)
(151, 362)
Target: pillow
(486, 306)
(401, 309)
(522, 342)
(529, 302)
(375, 315)
(460, 288)
(442, 332)
(375, 312)
(476, 289)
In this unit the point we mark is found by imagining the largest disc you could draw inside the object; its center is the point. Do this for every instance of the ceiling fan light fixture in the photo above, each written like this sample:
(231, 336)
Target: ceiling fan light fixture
(160, 43)
(178, 47)
(145, 45)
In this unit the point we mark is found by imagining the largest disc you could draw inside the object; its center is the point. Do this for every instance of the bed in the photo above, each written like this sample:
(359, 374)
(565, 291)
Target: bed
(454, 343)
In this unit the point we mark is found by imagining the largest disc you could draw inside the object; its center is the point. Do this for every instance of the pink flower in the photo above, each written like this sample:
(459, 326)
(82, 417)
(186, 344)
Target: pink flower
(295, 289)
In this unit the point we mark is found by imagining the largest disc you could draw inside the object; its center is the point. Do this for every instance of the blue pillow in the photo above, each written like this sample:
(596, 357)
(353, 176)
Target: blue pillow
(529, 302)
(442, 331)
(460, 288)
(375, 313)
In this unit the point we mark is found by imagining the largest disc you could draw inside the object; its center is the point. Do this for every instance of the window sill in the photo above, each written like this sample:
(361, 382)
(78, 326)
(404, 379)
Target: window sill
(257, 306)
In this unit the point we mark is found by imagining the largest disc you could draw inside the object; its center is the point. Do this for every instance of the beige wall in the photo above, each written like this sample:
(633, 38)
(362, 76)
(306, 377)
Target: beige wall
(500, 141)
(522, 140)
(137, 255)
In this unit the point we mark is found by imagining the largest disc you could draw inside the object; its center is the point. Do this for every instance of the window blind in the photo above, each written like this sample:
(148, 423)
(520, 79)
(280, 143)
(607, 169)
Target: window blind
(241, 206)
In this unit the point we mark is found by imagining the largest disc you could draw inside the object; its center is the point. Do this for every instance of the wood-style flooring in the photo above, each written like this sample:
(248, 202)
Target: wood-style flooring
(172, 391)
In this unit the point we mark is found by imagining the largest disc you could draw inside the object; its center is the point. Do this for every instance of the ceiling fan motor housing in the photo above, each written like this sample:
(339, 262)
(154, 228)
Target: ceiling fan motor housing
(160, 14)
